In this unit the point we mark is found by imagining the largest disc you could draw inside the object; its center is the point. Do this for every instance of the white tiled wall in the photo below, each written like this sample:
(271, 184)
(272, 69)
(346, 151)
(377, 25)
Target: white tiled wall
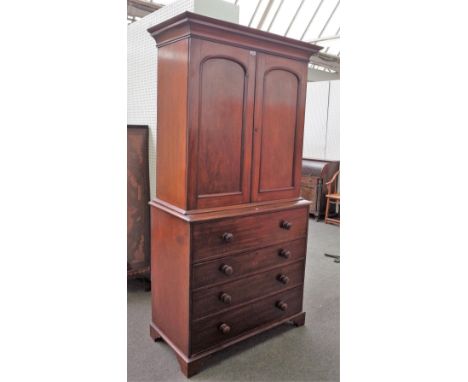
(322, 121)
(142, 65)
(141, 75)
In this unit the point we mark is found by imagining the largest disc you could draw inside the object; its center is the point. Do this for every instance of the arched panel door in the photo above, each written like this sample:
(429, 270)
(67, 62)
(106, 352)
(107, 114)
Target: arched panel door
(221, 119)
(278, 129)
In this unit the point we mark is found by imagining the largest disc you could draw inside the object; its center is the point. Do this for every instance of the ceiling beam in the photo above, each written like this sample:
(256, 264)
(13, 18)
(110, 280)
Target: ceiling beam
(276, 14)
(327, 38)
(255, 12)
(265, 13)
(311, 19)
(326, 60)
(140, 8)
(294, 17)
(315, 75)
(329, 18)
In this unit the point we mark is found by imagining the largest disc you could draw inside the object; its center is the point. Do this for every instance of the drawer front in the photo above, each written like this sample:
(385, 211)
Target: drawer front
(217, 329)
(208, 273)
(211, 300)
(217, 238)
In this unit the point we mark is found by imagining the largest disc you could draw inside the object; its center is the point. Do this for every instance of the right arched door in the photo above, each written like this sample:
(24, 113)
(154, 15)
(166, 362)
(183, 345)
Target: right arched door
(278, 119)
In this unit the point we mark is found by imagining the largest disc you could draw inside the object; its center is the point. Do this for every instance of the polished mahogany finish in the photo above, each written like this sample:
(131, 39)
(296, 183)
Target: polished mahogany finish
(206, 332)
(279, 125)
(138, 221)
(247, 263)
(249, 232)
(210, 69)
(206, 301)
(169, 277)
(229, 229)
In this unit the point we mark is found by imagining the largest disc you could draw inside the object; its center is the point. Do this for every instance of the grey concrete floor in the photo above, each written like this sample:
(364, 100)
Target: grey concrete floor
(285, 353)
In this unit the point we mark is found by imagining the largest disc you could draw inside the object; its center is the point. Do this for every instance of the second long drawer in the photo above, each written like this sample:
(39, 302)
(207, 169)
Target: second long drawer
(210, 300)
(243, 264)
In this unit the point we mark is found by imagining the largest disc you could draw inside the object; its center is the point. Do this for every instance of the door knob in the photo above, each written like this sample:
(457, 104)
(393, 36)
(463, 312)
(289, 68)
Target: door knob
(226, 269)
(283, 278)
(284, 253)
(227, 237)
(285, 224)
(224, 297)
(282, 305)
(224, 328)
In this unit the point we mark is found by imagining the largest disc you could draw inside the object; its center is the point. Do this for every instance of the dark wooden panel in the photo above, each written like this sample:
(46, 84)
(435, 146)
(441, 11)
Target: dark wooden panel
(220, 146)
(221, 120)
(279, 123)
(138, 220)
(248, 232)
(230, 124)
(210, 300)
(172, 120)
(208, 273)
(196, 25)
(170, 275)
(206, 332)
(280, 90)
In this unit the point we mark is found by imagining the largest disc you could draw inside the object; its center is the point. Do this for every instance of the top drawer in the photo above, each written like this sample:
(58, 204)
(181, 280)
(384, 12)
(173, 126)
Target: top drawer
(217, 238)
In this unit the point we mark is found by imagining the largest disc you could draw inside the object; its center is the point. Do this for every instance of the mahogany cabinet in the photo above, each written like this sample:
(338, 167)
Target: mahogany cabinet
(138, 214)
(228, 225)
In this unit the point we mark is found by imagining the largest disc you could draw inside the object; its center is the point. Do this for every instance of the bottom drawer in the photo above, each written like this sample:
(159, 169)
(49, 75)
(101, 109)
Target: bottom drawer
(225, 326)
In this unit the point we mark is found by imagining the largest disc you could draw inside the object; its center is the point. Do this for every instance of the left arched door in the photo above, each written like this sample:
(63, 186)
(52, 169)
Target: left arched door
(220, 125)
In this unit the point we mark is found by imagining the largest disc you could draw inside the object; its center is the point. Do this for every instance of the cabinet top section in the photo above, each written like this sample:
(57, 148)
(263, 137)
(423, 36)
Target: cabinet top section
(188, 24)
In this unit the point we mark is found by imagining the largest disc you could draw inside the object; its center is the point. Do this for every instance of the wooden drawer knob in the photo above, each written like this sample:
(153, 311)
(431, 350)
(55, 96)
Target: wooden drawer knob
(224, 297)
(283, 278)
(284, 253)
(226, 269)
(228, 237)
(282, 305)
(285, 224)
(224, 328)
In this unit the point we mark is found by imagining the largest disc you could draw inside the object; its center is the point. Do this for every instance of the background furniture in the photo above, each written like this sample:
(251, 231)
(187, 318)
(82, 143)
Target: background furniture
(138, 223)
(333, 197)
(229, 229)
(315, 173)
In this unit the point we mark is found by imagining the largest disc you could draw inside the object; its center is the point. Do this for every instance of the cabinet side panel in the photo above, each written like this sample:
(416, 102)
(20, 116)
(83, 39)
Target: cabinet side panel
(171, 179)
(170, 275)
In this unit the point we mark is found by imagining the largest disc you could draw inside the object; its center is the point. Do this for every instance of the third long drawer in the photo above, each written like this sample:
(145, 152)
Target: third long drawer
(228, 295)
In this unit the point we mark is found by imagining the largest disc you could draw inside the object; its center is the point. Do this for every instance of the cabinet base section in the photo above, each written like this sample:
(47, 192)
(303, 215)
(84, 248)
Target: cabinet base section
(190, 366)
